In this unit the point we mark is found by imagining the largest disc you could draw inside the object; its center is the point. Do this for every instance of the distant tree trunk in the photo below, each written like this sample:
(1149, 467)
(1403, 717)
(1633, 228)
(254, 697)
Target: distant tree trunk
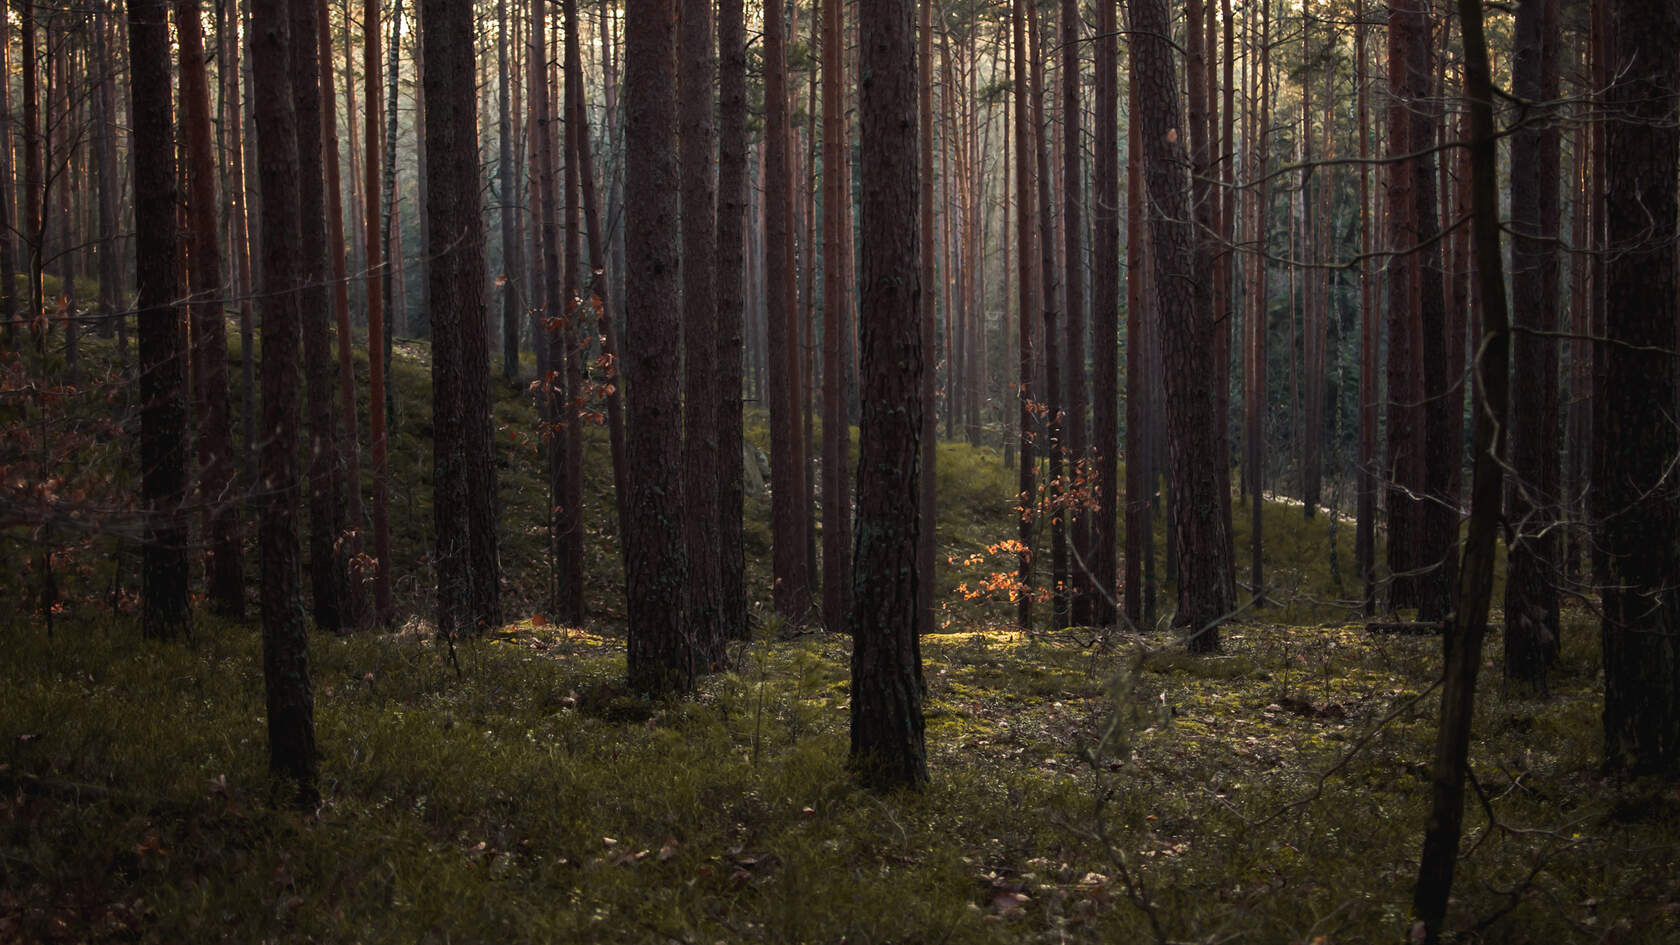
(163, 368)
(291, 705)
(1073, 378)
(1404, 422)
(325, 504)
(349, 471)
(463, 476)
(1365, 529)
(241, 233)
(34, 174)
(513, 256)
(731, 307)
(1636, 439)
(888, 748)
(375, 252)
(1047, 300)
(1203, 545)
(1463, 642)
(1256, 322)
(661, 657)
(1140, 480)
(105, 103)
(1027, 496)
(1533, 510)
(837, 326)
(571, 319)
(787, 453)
(1105, 315)
(1442, 453)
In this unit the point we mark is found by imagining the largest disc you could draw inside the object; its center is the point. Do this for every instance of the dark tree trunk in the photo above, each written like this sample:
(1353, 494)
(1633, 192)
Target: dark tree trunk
(787, 453)
(513, 255)
(34, 175)
(1049, 310)
(1140, 477)
(928, 499)
(837, 327)
(1365, 527)
(570, 550)
(1202, 544)
(1027, 496)
(731, 307)
(291, 705)
(349, 471)
(1403, 472)
(1635, 439)
(701, 459)
(1073, 376)
(1463, 640)
(1105, 315)
(325, 505)
(888, 749)
(225, 566)
(463, 477)
(377, 399)
(1531, 593)
(163, 367)
(661, 658)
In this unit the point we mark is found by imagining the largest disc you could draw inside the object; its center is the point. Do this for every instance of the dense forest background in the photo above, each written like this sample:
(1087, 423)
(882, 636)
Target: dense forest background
(838, 433)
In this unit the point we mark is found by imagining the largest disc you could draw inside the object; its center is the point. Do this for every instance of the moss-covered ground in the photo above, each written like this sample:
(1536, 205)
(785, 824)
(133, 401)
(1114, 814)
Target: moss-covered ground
(1087, 787)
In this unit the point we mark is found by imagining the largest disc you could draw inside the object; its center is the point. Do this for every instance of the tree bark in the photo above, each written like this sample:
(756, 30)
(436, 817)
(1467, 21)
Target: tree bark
(163, 419)
(1027, 301)
(291, 705)
(375, 254)
(837, 327)
(888, 748)
(1635, 437)
(1073, 376)
(1105, 314)
(661, 658)
(1202, 544)
(731, 310)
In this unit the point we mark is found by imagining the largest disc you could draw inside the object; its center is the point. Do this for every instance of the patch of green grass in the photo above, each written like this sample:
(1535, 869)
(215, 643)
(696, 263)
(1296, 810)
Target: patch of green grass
(527, 800)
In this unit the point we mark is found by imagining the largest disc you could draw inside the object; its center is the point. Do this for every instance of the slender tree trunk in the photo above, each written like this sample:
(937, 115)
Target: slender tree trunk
(291, 706)
(787, 457)
(224, 567)
(349, 459)
(1027, 498)
(163, 367)
(34, 174)
(1073, 253)
(513, 257)
(1365, 528)
(888, 747)
(377, 400)
(571, 319)
(837, 327)
(1531, 592)
(731, 310)
(1140, 544)
(1475, 580)
(1105, 315)
(661, 658)
(927, 313)
(325, 503)
(1048, 301)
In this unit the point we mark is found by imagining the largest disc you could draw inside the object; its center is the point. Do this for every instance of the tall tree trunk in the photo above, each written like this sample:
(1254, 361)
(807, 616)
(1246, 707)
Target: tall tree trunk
(1105, 315)
(375, 254)
(507, 214)
(1531, 592)
(1027, 497)
(1073, 377)
(571, 319)
(1051, 332)
(731, 310)
(661, 658)
(1140, 542)
(106, 102)
(1635, 439)
(163, 368)
(325, 504)
(837, 326)
(225, 567)
(701, 459)
(1365, 527)
(888, 748)
(787, 451)
(1203, 545)
(291, 705)
(927, 313)
(34, 174)
(463, 477)
(349, 471)
(1475, 580)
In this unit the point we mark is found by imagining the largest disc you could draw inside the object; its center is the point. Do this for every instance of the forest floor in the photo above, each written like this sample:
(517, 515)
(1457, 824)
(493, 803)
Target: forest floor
(1086, 786)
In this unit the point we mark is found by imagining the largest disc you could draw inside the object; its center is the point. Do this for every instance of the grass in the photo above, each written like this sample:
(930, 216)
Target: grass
(1084, 784)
